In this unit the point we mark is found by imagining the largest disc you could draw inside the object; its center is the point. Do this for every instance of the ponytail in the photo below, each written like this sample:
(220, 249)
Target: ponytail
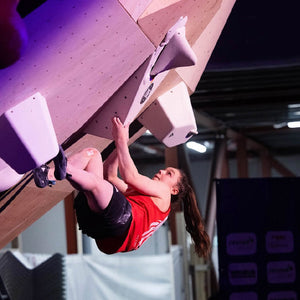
(192, 216)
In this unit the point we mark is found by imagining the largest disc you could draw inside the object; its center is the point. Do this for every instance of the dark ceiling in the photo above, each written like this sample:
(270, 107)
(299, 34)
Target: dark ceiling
(252, 81)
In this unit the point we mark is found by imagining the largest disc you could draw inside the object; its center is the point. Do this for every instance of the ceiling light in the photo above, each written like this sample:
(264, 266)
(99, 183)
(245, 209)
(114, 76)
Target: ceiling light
(295, 124)
(296, 105)
(196, 147)
(279, 125)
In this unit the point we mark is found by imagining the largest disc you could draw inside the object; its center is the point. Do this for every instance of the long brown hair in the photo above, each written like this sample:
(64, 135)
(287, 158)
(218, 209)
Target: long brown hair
(193, 219)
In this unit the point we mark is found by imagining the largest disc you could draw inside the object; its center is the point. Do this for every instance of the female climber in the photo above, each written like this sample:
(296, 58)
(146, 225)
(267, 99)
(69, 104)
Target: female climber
(121, 214)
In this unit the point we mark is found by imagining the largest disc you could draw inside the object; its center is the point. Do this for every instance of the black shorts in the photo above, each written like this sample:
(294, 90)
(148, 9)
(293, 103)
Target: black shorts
(113, 221)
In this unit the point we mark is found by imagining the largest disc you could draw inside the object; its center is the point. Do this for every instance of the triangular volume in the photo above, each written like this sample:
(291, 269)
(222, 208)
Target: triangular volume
(177, 52)
(170, 117)
(27, 136)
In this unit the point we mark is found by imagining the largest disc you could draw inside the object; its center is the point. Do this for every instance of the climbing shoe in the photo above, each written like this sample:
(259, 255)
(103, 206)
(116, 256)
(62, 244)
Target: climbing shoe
(60, 162)
(40, 176)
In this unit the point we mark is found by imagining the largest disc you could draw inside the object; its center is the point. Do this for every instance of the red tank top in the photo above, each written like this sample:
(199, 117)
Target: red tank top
(146, 219)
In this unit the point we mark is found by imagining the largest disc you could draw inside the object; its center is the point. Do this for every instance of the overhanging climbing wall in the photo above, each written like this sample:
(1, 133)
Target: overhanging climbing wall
(79, 54)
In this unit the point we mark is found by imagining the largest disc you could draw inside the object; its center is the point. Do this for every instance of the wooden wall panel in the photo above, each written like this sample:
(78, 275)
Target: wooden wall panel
(79, 53)
(163, 14)
(135, 8)
(27, 207)
(204, 45)
(206, 19)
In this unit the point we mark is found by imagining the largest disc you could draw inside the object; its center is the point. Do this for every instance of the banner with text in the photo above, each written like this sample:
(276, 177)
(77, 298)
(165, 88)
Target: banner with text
(258, 224)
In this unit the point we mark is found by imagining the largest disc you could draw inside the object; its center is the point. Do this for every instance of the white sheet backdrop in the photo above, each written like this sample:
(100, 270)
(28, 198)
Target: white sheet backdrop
(118, 277)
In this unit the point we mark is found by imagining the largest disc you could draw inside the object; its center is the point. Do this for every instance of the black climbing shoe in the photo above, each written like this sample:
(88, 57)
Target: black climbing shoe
(60, 162)
(40, 176)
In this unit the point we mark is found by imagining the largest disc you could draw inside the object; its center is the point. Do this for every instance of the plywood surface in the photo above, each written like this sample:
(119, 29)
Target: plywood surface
(204, 44)
(135, 8)
(79, 53)
(26, 208)
(160, 15)
(206, 20)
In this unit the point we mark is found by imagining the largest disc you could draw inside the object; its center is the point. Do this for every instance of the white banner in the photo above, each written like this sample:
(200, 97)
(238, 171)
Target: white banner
(114, 277)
